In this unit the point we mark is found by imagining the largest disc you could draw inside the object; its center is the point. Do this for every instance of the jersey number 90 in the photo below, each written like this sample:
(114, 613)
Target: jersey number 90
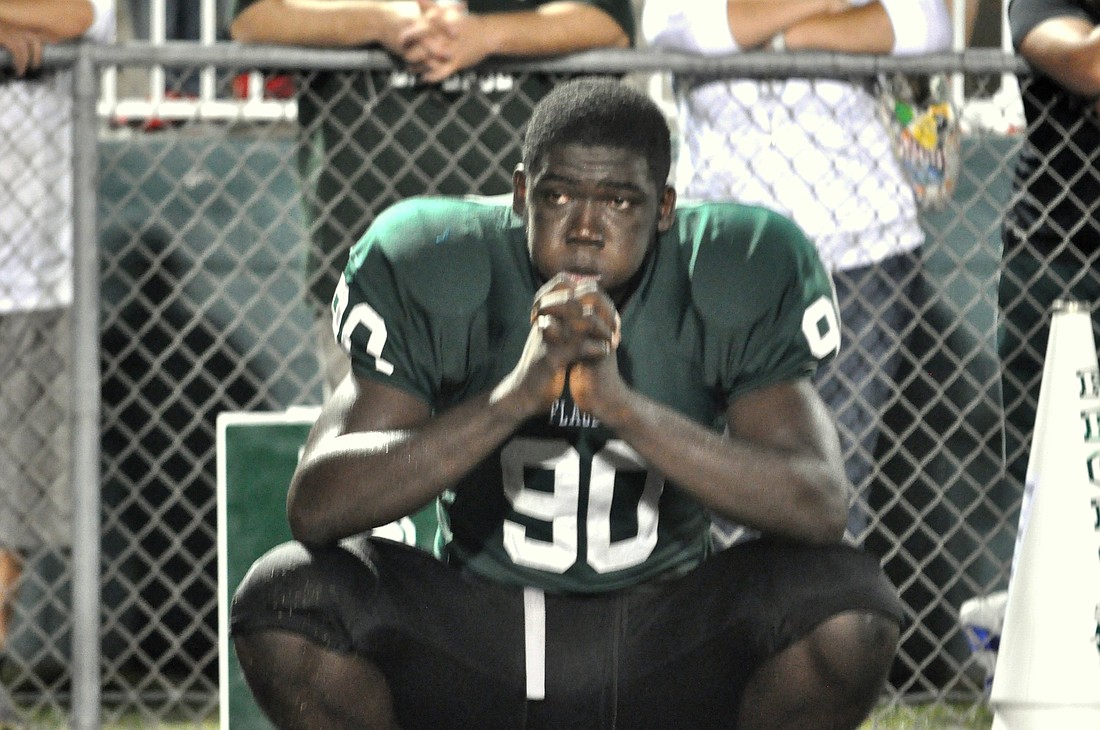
(563, 510)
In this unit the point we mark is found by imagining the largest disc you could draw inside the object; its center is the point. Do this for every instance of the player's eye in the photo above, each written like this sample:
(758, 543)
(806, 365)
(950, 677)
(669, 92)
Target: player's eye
(555, 197)
(620, 202)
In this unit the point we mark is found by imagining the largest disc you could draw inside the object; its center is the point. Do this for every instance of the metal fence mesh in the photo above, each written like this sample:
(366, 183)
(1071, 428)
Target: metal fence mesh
(35, 377)
(202, 313)
(206, 281)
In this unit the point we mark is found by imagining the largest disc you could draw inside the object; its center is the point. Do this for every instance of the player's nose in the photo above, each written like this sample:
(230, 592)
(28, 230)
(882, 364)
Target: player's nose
(585, 225)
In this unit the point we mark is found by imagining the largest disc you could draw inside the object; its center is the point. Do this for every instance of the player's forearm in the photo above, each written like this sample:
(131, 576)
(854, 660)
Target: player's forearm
(554, 28)
(799, 494)
(56, 20)
(325, 23)
(357, 481)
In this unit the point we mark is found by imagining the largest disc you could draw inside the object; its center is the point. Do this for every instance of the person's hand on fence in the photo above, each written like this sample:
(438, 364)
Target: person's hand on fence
(446, 39)
(25, 47)
(398, 19)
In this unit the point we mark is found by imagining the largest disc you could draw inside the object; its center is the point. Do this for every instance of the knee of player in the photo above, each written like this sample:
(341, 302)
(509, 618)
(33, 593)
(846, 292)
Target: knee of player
(292, 579)
(852, 651)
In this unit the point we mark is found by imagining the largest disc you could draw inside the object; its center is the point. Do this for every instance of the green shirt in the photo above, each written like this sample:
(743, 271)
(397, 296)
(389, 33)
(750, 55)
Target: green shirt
(371, 139)
(436, 301)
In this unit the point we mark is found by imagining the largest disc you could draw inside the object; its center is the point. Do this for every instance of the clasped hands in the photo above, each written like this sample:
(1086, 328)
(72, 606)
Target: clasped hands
(443, 39)
(575, 332)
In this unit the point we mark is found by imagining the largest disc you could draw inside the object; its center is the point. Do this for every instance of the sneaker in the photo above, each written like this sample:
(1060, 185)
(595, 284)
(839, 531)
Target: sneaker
(982, 618)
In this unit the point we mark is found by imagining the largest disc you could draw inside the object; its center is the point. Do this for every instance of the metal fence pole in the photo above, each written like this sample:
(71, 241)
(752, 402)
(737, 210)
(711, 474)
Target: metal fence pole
(86, 401)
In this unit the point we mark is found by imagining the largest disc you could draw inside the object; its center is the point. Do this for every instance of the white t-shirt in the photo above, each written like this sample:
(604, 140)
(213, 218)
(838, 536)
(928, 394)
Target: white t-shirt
(814, 150)
(36, 183)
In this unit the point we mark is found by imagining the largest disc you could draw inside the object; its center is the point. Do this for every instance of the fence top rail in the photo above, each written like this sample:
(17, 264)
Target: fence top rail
(806, 64)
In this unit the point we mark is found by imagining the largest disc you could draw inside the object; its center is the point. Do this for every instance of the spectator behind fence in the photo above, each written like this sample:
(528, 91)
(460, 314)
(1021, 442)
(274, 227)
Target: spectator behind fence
(370, 139)
(1051, 232)
(36, 122)
(817, 151)
(552, 369)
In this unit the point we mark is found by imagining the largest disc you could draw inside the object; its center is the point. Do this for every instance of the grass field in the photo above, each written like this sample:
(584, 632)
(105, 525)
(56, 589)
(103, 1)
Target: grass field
(933, 717)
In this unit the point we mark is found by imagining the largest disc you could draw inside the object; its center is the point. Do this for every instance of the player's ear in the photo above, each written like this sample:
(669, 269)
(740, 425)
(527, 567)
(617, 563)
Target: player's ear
(519, 190)
(666, 211)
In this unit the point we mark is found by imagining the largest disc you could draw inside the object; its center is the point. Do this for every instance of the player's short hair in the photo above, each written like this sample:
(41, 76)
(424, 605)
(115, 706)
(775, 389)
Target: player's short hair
(600, 111)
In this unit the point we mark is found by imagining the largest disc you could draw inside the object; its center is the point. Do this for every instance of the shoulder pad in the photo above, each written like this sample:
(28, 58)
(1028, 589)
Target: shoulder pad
(438, 249)
(743, 257)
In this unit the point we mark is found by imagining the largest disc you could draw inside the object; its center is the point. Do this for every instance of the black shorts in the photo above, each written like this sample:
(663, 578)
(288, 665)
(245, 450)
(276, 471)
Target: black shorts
(463, 652)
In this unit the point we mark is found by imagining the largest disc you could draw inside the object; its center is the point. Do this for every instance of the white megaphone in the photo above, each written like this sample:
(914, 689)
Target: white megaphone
(1047, 673)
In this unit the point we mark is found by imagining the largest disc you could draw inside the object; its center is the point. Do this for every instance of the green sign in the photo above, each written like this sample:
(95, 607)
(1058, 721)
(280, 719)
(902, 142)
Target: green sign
(257, 454)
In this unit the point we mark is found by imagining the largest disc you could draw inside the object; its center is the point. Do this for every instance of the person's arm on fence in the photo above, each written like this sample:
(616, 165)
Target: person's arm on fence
(436, 38)
(27, 25)
(717, 26)
(882, 26)
(52, 20)
(897, 27)
(447, 39)
(1067, 49)
(324, 23)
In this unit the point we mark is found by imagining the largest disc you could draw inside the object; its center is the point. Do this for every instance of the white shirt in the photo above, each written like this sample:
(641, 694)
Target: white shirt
(36, 183)
(814, 150)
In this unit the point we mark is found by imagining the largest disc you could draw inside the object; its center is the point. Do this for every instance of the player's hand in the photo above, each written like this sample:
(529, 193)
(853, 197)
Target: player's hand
(598, 388)
(595, 382)
(594, 379)
(572, 321)
(575, 313)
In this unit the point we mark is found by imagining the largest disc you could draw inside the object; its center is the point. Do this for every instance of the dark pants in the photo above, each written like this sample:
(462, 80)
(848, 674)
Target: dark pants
(879, 305)
(453, 647)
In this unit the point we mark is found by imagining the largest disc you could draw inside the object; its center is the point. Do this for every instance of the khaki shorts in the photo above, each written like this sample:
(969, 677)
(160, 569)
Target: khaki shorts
(35, 413)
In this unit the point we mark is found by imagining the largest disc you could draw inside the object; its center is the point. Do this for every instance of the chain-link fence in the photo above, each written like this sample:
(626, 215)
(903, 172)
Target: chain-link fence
(36, 230)
(219, 224)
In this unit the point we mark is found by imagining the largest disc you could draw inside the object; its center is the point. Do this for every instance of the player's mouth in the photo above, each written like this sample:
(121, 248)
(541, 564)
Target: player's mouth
(578, 276)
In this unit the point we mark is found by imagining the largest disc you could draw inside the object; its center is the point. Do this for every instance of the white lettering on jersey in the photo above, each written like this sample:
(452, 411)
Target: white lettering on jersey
(361, 315)
(566, 415)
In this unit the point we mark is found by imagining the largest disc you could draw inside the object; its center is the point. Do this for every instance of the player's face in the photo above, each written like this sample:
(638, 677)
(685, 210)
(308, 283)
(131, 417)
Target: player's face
(592, 210)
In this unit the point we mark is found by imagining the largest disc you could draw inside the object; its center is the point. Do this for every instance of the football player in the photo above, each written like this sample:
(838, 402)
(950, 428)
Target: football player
(577, 377)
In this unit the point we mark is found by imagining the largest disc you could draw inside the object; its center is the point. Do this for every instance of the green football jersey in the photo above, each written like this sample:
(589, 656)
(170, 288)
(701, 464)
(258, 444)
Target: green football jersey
(436, 300)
